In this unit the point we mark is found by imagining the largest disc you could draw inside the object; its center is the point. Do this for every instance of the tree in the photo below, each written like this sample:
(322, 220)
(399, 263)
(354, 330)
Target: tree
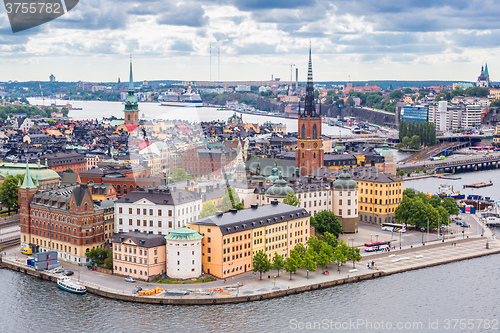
(208, 209)
(231, 200)
(99, 256)
(353, 255)
(415, 142)
(325, 221)
(9, 192)
(309, 261)
(300, 249)
(314, 243)
(325, 255)
(401, 173)
(290, 266)
(450, 205)
(291, 199)
(179, 174)
(339, 254)
(278, 262)
(69, 170)
(330, 239)
(261, 263)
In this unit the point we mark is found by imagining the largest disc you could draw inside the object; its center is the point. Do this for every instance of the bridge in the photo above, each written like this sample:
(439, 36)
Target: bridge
(465, 163)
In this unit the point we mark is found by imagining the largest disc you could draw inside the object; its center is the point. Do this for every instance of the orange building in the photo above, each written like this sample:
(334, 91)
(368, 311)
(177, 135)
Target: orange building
(231, 239)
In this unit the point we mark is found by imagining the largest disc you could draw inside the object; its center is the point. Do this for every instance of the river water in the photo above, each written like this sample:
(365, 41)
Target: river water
(426, 300)
(463, 290)
(99, 109)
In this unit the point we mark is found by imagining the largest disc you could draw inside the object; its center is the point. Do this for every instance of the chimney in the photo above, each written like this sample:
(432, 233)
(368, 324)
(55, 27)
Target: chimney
(296, 78)
(219, 213)
(233, 210)
(254, 206)
(150, 232)
(309, 180)
(274, 202)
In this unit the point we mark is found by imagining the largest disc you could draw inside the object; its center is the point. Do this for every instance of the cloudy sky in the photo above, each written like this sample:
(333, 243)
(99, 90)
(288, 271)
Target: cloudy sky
(356, 39)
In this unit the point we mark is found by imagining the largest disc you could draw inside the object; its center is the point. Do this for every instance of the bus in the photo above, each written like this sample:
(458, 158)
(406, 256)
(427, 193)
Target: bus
(394, 227)
(377, 246)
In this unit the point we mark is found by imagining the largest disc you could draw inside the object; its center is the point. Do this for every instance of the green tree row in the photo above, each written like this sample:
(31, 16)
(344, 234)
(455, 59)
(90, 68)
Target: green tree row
(421, 211)
(425, 131)
(319, 252)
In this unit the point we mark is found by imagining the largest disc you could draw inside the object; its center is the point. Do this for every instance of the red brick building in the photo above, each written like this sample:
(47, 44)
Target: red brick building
(64, 219)
(309, 155)
(61, 161)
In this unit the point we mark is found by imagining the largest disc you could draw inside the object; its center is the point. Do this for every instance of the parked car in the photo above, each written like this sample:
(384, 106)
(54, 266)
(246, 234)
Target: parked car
(58, 270)
(465, 225)
(137, 289)
(129, 279)
(26, 250)
(69, 273)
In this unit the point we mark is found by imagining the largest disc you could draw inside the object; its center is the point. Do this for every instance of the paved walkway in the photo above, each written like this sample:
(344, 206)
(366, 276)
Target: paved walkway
(250, 284)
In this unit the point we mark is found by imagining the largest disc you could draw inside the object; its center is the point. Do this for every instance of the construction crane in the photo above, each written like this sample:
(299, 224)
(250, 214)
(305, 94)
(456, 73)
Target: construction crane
(291, 78)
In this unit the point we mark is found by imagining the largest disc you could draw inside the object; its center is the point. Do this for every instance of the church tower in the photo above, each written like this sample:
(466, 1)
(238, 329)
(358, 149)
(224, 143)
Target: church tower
(25, 192)
(131, 111)
(309, 154)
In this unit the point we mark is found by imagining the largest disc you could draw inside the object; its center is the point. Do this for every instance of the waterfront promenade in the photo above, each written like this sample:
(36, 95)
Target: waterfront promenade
(248, 287)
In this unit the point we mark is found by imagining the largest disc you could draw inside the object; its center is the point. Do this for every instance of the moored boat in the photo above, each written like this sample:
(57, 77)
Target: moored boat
(66, 284)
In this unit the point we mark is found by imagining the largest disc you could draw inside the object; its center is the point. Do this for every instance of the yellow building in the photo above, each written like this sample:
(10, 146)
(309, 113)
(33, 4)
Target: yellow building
(231, 239)
(379, 193)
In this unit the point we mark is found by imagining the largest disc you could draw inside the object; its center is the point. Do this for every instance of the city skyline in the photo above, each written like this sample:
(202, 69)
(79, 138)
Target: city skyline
(351, 41)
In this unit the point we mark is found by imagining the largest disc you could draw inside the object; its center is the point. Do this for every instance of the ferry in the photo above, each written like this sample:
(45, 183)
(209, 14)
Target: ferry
(65, 283)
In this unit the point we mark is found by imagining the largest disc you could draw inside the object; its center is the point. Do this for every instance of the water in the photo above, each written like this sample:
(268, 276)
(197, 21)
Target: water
(466, 289)
(432, 184)
(99, 109)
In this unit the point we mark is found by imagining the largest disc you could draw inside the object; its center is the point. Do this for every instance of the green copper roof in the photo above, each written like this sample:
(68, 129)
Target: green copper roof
(385, 149)
(344, 182)
(28, 181)
(183, 234)
(280, 189)
(131, 103)
(486, 70)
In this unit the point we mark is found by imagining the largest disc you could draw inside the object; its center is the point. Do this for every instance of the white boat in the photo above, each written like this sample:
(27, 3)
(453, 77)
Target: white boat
(66, 284)
(171, 98)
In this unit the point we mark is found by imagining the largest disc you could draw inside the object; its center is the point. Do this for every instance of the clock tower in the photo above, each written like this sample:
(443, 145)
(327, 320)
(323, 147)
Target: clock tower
(309, 154)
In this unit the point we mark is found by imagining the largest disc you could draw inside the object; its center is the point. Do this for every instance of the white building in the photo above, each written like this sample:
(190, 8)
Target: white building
(345, 201)
(159, 210)
(184, 253)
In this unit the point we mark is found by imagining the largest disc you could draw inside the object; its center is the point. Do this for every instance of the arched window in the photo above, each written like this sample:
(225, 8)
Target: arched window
(128, 117)
(303, 131)
(315, 132)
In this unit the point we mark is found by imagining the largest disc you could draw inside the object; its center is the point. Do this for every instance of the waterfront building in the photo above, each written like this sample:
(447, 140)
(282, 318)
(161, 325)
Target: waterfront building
(158, 209)
(64, 219)
(131, 111)
(309, 153)
(184, 253)
(379, 194)
(231, 239)
(416, 113)
(139, 255)
(345, 199)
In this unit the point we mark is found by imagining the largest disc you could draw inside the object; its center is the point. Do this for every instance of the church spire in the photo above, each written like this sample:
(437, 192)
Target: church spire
(28, 181)
(309, 107)
(486, 70)
(131, 80)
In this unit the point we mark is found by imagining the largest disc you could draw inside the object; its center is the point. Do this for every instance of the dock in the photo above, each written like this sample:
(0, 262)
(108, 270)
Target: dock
(479, 185)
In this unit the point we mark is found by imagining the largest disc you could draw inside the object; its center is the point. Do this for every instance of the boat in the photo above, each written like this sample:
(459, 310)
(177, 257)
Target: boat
(66, 284)
(171, 98)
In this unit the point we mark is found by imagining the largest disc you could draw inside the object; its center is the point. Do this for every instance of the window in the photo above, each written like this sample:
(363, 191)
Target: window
(130, 210)
(156, 251)
(159, 212)
(120, 210)
(151, 212)
(209, 240)
(138, 211)
(340, 212)
(209, 259)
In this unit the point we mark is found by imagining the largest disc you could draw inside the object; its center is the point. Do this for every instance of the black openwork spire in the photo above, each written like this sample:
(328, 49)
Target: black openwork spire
(309, 107)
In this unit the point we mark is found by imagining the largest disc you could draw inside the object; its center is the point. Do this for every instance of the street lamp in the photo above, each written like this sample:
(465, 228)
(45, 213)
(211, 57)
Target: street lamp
(371, 239)
(352, 242)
